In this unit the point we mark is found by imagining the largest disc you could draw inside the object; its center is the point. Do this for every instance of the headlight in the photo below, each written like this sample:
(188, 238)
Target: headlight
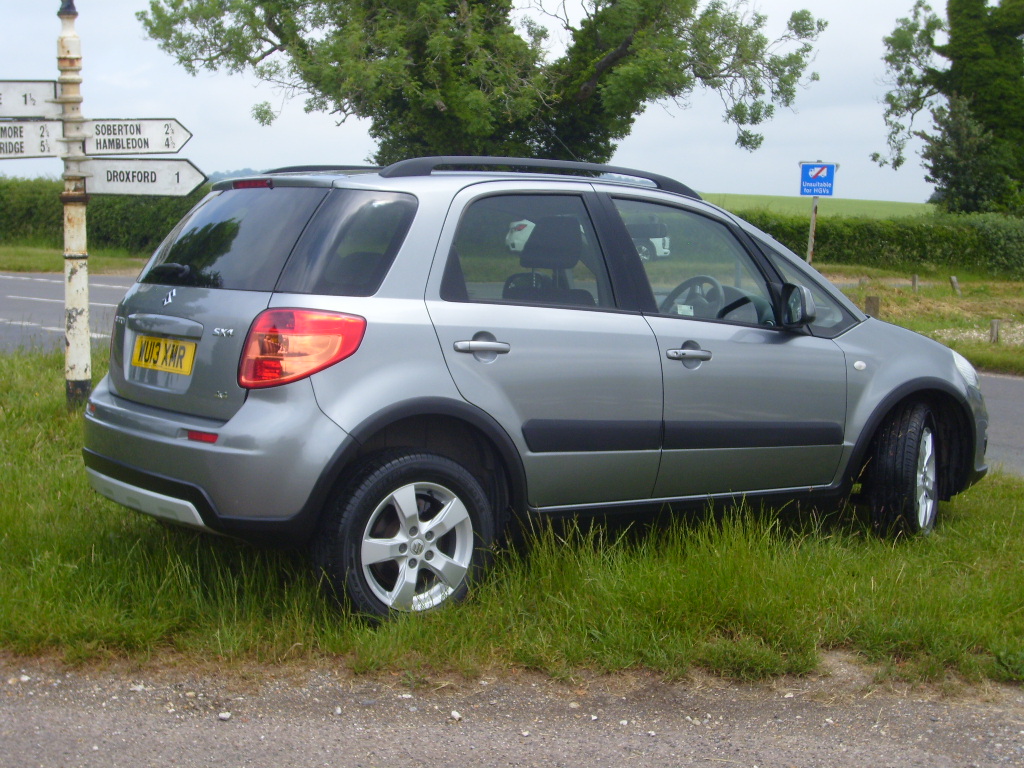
(966, 369)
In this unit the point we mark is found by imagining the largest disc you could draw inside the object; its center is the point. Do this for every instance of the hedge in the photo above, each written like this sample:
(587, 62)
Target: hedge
(987, 243)
(30, 212)
(993, 244)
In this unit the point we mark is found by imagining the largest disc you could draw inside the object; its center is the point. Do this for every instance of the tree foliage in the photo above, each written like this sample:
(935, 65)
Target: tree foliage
(477, 76)
(971, 84)
(971, 169)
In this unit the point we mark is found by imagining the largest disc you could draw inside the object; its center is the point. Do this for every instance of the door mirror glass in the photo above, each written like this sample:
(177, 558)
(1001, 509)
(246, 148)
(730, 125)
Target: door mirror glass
(798, 306)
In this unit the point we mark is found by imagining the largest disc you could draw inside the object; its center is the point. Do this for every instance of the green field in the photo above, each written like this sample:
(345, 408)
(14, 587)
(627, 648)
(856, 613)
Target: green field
(827, 206)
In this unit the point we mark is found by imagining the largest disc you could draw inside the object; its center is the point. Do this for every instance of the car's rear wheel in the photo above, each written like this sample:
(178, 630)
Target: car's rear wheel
(904, 481)
(407, 533)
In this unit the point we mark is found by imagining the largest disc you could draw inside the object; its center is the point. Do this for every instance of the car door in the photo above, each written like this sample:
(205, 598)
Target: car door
(749, 406)
(532, 334)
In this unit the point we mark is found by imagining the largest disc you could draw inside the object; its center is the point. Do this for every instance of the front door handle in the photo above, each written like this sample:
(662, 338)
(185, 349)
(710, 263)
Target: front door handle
(688, 354)
(476, 346)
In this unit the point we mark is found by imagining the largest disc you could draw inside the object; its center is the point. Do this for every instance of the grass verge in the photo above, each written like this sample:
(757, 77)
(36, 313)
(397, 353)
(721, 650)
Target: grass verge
(37, 258)
(745, 595)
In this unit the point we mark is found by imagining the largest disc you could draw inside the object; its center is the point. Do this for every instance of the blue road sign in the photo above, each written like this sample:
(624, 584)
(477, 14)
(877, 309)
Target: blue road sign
(817, 179)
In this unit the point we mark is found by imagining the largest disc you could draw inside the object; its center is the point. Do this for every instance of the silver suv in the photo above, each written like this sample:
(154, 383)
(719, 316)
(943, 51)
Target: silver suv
(359, 361)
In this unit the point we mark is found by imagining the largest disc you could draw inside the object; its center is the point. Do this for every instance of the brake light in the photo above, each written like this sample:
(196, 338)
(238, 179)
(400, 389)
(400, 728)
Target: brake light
(286, 345)
(253, 184)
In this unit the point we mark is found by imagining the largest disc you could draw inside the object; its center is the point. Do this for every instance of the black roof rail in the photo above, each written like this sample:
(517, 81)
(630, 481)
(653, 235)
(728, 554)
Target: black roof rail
(424, 166)
(312, 168)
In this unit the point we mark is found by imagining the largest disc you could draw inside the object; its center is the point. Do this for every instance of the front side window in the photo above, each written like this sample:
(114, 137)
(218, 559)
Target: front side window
(695, 265)
(527, 249)
(831, 318)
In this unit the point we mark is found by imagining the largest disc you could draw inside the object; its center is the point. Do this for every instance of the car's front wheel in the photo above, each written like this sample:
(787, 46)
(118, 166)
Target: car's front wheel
(904, 481)
(407, 533)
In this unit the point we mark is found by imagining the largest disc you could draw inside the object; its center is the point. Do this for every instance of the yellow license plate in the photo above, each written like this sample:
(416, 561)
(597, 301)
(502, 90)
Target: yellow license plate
(168, 355)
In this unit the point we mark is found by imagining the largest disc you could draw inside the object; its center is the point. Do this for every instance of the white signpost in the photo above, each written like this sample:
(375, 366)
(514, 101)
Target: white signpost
(29, 98)
(30, 138)
(134, 137)
(140, 176)
(43, 118)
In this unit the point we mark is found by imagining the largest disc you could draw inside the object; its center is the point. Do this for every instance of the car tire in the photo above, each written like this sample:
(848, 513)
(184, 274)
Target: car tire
(904, 485)
(407, 533)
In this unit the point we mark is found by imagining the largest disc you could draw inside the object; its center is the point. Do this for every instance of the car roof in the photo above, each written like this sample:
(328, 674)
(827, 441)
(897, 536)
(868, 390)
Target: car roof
(497, 168)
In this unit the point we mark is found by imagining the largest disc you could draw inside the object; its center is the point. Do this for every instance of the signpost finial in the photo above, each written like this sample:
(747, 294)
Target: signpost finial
(67, 8)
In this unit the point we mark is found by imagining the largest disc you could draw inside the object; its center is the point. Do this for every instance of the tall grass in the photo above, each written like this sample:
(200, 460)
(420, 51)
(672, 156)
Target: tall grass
(743, 593)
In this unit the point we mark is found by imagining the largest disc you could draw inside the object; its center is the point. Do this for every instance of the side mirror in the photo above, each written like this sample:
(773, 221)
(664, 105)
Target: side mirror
(797, 306)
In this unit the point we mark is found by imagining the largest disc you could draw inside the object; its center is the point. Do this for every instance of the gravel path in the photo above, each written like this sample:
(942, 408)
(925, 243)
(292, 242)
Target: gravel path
(276, 717)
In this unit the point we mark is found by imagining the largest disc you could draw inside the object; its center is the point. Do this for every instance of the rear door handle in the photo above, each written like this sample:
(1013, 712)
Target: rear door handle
(473, 347)
(688, 354)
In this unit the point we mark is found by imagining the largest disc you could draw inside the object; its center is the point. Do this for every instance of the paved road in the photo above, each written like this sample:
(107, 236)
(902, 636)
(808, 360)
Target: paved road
(32, 315)
(32, 309)
(1004, 396)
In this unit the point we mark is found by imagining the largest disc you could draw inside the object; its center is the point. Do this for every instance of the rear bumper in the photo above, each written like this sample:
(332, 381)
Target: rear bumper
(266, 478)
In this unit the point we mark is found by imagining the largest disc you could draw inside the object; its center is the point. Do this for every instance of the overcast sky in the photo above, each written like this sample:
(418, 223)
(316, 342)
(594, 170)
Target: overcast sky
(838, 119)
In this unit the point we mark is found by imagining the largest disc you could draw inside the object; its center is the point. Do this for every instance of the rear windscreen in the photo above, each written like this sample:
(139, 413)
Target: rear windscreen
(238, 239)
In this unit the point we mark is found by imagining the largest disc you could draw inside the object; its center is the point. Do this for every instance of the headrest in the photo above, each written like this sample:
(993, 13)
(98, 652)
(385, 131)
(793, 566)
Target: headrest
(555, 243)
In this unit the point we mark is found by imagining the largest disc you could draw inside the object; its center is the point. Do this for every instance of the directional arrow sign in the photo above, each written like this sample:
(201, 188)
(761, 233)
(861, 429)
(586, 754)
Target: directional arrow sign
(29, 98)
(29, 138)
(134, 137)
(139, 176)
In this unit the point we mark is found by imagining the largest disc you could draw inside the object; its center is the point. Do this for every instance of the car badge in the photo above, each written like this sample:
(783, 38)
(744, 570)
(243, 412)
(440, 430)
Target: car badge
(170, 296)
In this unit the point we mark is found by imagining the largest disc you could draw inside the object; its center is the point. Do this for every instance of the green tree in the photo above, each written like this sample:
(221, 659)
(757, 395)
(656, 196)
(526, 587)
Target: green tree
(970, 168)
(475, 76)
(971, 86)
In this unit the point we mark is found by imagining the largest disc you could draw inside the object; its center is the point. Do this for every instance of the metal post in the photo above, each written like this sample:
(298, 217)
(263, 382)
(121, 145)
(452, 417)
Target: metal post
(77, 339)
(814, 224)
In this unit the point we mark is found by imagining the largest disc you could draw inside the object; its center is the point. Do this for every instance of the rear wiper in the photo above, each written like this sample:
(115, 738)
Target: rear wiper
(169, 269)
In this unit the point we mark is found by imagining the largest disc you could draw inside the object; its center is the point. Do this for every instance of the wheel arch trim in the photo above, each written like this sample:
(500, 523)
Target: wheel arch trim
(907, 390)
(473, 416)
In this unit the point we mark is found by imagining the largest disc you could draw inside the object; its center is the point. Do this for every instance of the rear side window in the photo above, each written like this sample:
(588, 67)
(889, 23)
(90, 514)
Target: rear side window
(238, 239)
(527, 249)
(349, 246)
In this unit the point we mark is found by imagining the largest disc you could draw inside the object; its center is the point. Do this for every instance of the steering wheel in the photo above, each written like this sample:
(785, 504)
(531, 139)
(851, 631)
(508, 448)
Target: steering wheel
(693, 287)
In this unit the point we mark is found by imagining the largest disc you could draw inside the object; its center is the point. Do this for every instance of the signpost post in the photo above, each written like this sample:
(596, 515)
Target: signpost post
(77, 340)
(43, 118)
(816, 179)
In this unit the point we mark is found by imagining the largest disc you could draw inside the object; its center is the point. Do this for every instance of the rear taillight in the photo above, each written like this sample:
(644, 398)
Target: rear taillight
(285, 345)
